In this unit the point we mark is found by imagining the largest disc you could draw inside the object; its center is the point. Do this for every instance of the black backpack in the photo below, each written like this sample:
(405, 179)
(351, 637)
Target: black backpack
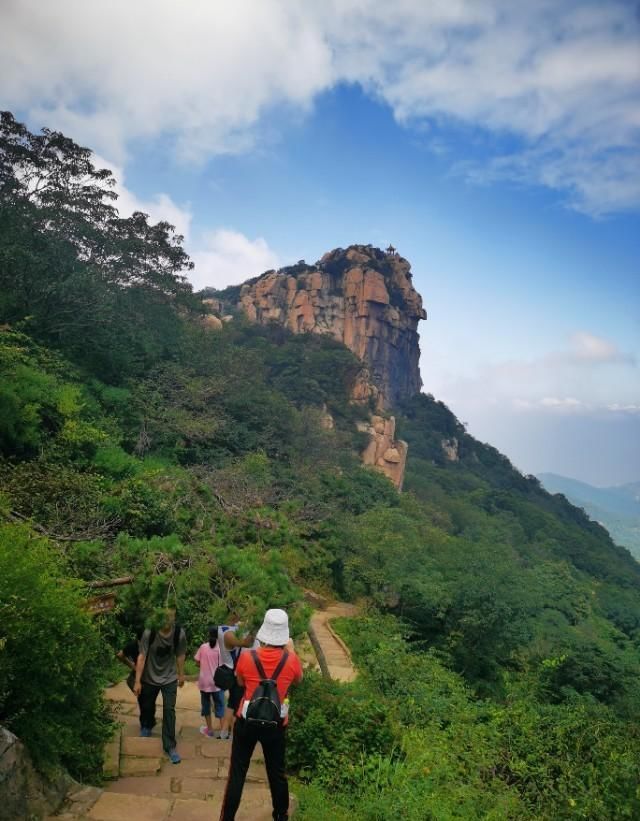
(264, 705)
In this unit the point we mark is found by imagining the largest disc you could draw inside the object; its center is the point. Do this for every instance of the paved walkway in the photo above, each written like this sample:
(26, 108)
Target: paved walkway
(145, 786)
(335, 651)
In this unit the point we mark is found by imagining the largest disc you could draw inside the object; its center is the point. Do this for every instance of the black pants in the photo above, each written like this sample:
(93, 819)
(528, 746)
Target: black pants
(147, 702)
(245, 738)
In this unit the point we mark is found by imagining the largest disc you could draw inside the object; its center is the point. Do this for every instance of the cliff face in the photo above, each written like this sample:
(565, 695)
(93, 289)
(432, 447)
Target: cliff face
(364, 298)
(361, 296)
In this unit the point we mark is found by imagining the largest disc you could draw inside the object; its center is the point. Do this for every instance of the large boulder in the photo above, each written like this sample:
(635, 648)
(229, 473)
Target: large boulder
(384, 452)
(26, 794)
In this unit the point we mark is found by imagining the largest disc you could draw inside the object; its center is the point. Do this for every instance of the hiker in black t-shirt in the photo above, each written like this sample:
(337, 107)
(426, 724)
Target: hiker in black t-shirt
(160, 669)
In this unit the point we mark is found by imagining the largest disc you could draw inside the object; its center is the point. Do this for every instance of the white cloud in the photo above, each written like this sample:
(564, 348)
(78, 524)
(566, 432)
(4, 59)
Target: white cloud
(228, 257)
(561, 80)
(594, 348)
(568, 402)
(222, 257)
(201, 72)
(591, 375)
(550, 403)
(631, 408)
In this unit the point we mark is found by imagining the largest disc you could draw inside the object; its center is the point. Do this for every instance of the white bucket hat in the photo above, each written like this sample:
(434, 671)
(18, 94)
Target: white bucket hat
(275, 628)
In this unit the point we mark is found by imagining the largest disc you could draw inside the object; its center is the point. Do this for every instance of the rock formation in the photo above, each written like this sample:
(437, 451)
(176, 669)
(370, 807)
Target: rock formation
(450, 449)
(364, 298)
(384, 451)
(24, 792)
(361, 296)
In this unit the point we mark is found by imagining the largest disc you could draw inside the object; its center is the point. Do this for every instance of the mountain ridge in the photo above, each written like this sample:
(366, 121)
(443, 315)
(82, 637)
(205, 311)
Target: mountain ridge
(617, 508)
(362, 297)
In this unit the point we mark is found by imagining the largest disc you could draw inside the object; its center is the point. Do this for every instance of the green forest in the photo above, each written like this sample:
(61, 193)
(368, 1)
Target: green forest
(498, 645)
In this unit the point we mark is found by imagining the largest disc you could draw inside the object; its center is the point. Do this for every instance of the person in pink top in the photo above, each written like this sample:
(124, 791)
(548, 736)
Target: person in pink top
(208, 657)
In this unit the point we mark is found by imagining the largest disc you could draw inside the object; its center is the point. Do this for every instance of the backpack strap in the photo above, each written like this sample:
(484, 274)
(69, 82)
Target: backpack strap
(280, 666)
(276, 672)
(152, 637)
(258, 664)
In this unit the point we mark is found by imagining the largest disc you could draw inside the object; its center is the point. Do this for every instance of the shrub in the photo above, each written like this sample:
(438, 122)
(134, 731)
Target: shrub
(568, 761)
(331, 725)
(51, 659)
(60, 498)
(141, 508)
(116, 462)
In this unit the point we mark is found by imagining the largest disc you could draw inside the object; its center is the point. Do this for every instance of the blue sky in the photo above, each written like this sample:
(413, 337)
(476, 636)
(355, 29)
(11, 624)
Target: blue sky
(497, 148)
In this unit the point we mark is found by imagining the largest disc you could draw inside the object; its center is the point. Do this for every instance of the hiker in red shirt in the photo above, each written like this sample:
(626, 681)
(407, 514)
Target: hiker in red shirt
(278, 661)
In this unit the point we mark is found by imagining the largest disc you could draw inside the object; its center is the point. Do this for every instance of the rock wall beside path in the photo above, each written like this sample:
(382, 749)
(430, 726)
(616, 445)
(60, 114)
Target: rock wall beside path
(26, 794)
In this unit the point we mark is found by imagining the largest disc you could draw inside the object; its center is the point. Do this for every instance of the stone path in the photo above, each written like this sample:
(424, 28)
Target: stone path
(146, 786)
(336, 654)
(142, 783)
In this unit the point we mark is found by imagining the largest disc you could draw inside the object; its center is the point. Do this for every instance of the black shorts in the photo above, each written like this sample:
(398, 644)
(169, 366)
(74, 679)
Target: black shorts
(235, 696)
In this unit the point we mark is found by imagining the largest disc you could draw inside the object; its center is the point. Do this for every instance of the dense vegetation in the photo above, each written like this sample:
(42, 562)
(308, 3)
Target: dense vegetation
(501, 628)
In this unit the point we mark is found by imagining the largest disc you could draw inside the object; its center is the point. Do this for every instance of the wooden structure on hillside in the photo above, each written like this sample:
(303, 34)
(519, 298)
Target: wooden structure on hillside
(104, 602)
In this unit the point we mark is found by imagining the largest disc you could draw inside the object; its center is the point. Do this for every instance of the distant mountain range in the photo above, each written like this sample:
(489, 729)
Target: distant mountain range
(616, 508)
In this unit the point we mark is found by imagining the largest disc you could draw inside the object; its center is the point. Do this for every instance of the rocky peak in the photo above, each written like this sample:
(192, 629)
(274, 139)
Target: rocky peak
(363, 297)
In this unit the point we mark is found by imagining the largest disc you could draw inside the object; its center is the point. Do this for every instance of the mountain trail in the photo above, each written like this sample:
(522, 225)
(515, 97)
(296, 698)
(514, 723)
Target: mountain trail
(146, 786)
(333, 654)
(143, 785)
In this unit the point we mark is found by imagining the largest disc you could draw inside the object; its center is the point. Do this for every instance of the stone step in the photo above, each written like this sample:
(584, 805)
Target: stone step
(192, 786)
(137, 767)
(211, 747)
(131, 725)
(166, 785)
(199, 766)
(146, 786)
(111, 765)
(216, 748)
(211, 768)
(134, 745)
(193, 746)
(125, 806)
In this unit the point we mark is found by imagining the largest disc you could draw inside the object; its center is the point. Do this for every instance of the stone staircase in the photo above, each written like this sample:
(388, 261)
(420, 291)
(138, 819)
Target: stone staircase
(144, 785)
